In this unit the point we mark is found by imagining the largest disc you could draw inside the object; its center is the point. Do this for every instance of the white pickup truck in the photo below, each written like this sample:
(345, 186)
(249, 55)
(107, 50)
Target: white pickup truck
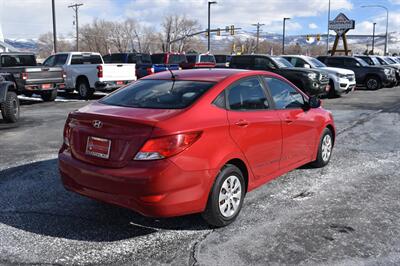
(86, 72)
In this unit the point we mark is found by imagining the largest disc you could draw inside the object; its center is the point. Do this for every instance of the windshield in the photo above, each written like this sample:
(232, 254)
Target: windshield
(282, 62)
(13, 60)
(316, 63)
(207, 58)
(158, 94)
(157, 58)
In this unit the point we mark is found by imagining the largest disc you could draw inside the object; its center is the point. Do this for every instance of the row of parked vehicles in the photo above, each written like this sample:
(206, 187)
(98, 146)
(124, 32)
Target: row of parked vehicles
(87, 72)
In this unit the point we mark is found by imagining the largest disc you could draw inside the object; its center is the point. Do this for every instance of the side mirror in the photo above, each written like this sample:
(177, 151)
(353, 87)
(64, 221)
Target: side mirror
(314, 102)
(307, 66)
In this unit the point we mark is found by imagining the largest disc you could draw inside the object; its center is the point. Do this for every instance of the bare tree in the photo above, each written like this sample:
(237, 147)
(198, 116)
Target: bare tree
(45, 45)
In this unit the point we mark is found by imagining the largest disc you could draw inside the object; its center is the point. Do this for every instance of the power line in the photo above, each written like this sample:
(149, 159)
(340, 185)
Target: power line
(75, 7)
(258, 25)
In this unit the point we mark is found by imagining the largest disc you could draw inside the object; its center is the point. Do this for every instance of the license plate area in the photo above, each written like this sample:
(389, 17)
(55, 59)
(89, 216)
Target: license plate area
(98, 147)
(46, 86)
(120, 83)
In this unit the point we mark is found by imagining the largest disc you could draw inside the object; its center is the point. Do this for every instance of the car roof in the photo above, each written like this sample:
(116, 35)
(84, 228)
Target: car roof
(209, 74)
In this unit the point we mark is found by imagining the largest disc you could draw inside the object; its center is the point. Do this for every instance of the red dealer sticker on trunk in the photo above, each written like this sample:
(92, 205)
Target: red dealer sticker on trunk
(98, 147)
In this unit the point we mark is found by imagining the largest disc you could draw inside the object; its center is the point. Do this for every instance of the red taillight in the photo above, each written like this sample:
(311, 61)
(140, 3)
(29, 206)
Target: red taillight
(150, 70)
(24, 75)
(99, 71)
(164, 147)
(67, 133)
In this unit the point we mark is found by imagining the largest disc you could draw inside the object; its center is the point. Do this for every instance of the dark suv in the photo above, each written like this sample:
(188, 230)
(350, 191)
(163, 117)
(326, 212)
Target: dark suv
(311, 81)
(373, 60)
(372, 77)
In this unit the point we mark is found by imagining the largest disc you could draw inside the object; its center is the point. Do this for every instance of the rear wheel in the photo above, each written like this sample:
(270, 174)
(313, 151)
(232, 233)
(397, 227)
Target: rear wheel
(324, 150)
(332, 92)
(10, 108)
(84, 90)
(49, 96)
(226, 197)
(373, 83)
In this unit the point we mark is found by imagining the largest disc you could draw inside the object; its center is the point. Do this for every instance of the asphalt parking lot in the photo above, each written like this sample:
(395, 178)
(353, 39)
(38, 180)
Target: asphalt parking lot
(345, 214)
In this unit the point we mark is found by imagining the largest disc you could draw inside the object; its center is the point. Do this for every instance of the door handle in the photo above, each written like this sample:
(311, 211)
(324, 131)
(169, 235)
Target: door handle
(288, 121)
(242, 123)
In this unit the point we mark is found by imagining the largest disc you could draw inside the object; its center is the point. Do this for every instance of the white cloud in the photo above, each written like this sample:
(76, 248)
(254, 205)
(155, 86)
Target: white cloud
(313, 26)
(30, 18)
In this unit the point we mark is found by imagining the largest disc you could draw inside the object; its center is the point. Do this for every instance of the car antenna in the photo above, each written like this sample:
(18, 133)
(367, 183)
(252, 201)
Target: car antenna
(172, 74)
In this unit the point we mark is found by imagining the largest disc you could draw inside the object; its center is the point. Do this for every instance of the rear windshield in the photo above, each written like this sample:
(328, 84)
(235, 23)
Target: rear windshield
(114, 58)
(176, 58)
(18, 60)
(191, 58)
(79, 59)
(221, 58)
(157, 58)
(158, 94)
(207, 58)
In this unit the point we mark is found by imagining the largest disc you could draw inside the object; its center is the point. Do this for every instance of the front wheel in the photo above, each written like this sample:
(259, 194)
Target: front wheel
(226, 197)
(373, 83)
(49, 96)
(10, 108)
(324, 149)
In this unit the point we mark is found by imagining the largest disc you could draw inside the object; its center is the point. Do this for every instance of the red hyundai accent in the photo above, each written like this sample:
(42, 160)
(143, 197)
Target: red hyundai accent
(193, 141)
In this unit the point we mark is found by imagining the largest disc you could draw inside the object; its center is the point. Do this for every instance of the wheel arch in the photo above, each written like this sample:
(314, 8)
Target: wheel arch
(332, 129)
(81, 78)
(6, 86)
(239, 163)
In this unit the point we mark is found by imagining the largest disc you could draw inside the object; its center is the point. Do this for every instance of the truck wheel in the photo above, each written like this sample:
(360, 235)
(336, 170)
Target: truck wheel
(373, 83)
(10, 108)
(49, 96)
(84, 90)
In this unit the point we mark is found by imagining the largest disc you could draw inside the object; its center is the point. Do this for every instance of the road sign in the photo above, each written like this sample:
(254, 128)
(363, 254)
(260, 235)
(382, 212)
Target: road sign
(341, 24)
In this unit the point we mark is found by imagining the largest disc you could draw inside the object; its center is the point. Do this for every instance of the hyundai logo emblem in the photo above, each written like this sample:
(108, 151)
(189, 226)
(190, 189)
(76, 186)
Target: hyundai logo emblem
(97, 124)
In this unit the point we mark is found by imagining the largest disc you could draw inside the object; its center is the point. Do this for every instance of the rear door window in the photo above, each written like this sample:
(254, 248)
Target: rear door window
(220, 59)
(246, 95)
(242, 61)
(332, 61)
(207, 58)
(158, 94)
(283, 94)
(176, 59)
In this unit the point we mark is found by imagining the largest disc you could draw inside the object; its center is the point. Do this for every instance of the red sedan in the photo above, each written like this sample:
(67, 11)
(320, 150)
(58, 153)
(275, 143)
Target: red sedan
(193, 141)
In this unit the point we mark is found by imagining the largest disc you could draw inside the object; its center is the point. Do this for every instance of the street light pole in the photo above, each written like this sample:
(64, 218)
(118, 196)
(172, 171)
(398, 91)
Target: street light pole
(208, 29)
(327, 32)
(54, 26)
(258, 25)
(283, 35)
(373, 37)
(387, 25)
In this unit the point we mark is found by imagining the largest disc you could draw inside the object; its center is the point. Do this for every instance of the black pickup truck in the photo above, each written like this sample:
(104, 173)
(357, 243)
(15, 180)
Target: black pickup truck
(30, 78)
(9, 103)
(372, 77)
(313, 82)
(142, 61)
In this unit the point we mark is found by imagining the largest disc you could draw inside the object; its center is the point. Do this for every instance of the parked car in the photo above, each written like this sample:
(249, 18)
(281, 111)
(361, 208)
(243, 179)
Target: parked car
(222, 60)
(28, 77)
(340, 80)
(142, 61)
(164, 61)
(199, 61)
(372, 77)
(9, 103)
(194, 142)
(86, 72)
(374, 61)
(310, 81)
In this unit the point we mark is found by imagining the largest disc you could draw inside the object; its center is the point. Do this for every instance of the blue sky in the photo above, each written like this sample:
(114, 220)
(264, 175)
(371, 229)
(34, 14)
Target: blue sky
(30, 18)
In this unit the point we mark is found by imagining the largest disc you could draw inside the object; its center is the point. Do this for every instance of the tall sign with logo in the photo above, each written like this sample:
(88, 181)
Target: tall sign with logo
(341, 25)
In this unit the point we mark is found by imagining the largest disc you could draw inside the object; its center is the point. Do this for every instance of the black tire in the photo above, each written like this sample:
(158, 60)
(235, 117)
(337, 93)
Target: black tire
(212, 214)
(322, 160)
(10, 108)
(49, 96)
(332, 92)
(373, 83)
(84, 90)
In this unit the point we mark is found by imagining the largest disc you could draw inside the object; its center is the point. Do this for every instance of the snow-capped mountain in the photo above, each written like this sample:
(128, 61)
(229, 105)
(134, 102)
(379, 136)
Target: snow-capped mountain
(23, 44)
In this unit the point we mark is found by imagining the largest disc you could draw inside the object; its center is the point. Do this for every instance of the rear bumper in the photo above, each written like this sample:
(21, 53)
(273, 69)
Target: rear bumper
(110, 85)
(155, 189)
(41, 87)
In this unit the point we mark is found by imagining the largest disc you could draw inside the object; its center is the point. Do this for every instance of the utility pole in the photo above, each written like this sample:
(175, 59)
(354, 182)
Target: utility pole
(54, 26)
(373, 37)
(258, 25)
(283, 35)
(327, 32)
(75, 7)
(208, 29)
